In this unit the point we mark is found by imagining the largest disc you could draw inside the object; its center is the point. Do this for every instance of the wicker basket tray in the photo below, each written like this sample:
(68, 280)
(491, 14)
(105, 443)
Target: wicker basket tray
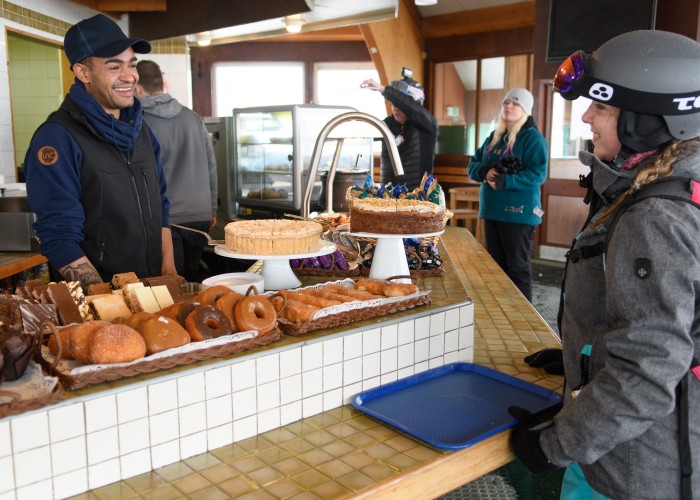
(389, 305)
(75, 377)
(49, 393)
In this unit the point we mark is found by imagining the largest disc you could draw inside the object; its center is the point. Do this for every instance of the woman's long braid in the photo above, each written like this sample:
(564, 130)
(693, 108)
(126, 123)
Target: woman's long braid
(661, 167)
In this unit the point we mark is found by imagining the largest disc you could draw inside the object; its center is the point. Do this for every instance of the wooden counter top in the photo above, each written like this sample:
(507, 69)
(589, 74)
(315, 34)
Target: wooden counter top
(15, 262)
(343, 453)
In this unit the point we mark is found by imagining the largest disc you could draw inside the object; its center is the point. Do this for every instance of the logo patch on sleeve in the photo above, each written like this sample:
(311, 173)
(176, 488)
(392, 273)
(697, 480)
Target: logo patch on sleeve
(48, 155)
(642, 268)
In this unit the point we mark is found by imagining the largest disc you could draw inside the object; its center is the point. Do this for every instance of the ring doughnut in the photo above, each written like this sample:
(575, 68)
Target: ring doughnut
(207, 322)
(255, 312)
(209, 296)
(225, 304)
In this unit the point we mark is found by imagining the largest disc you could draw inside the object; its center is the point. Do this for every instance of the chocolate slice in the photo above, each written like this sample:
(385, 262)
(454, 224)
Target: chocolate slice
(33, 315)
(169, 281)
(68, 311)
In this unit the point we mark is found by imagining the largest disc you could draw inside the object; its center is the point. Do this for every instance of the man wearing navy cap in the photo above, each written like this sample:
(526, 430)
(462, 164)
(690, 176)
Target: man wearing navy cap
(94, 175)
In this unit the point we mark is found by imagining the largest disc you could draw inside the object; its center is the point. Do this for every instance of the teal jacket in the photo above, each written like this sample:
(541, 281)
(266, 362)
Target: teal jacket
(518, 200)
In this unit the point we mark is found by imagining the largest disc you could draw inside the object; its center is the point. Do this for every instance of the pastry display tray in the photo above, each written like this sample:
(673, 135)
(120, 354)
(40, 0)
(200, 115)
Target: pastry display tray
(453, 406)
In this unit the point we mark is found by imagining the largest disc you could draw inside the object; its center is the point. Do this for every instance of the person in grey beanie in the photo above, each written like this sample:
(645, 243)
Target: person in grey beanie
(512, 165)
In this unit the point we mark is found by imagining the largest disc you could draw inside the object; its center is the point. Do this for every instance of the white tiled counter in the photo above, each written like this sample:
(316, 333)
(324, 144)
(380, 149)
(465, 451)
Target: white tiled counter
(111, 433)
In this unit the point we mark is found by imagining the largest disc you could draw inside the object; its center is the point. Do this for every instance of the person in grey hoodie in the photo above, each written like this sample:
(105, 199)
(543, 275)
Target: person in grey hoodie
(189, 163)
(630, 313)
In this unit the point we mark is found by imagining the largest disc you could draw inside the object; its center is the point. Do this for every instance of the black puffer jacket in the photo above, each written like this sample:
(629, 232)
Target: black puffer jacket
(417, 150)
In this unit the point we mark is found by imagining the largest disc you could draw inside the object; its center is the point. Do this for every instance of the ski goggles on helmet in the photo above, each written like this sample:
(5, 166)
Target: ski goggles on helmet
(574, 79)
(406, 88)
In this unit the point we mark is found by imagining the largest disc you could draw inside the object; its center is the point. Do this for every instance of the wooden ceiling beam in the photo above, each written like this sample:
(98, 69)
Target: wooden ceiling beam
(517, 15)
(125, 5)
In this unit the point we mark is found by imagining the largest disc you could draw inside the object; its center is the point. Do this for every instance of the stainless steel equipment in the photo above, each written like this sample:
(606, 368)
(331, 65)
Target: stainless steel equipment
(16, 219)
(272, 151)
(221, 136)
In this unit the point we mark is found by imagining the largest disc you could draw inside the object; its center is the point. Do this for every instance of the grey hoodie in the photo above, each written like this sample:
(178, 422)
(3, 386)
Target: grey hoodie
(643, 328)
(188, 158)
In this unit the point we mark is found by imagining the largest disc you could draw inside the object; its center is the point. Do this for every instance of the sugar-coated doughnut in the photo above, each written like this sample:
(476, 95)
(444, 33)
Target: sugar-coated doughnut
(207, 322)
(255, 312)
(209, 296)
(116, 344)
(370, 285)
(298, 312)
(161, 333)
(225, 304)
(79, 339)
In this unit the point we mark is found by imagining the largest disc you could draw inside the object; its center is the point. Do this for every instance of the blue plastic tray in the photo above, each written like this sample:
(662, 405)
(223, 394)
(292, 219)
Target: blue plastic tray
(453, 406)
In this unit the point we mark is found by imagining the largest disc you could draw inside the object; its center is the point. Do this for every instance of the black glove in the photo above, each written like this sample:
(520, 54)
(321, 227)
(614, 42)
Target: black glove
(526, 442)
(549, 359)
(484, 170)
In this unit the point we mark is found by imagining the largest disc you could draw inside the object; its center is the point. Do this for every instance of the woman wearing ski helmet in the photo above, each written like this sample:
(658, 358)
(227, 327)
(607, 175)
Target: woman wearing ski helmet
(630, 315)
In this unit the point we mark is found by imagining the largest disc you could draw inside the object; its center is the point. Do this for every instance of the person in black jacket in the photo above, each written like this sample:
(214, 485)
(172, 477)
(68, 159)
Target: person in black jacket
(415, 130)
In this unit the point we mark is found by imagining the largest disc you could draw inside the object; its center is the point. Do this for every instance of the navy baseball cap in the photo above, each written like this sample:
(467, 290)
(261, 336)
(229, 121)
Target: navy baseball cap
(99, 36)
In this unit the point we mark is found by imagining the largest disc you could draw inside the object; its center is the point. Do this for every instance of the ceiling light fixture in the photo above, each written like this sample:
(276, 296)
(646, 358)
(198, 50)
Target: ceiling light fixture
(203, 39)
(294, 23)
(423, 3)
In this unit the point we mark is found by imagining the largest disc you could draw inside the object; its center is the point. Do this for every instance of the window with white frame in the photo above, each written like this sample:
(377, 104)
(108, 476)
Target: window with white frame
(338, 84)
(248, 84)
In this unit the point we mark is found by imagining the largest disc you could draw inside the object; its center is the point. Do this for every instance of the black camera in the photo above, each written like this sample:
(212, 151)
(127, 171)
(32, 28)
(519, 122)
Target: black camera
(510, 165)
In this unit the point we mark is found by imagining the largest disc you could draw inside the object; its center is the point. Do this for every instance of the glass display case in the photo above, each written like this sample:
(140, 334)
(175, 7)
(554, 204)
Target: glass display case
(272, 153)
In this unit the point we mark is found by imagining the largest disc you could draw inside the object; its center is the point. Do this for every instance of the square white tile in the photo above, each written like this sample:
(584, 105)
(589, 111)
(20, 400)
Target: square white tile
(452, 341)
(352, 371)
(406, 332)
(245, 403)
(30, 431)
(219, 411)
(102, 445)
(290, 389)
(164, 427)
(267, 368)
(132, 405)
(68, 455)
(436, 362)
(268, 420)
(190, 389)
(389, 360)
(437, 345)
(5, 439)
(32, 466)
(451, 357)
(219, 436)
(332, 351)
(390, 337)
(193, 444)
(422, 328)
(290, 413)
(371, 383)
(451, 319)
(332, 376)
(7, 478)
(405, 355)
(136, 463)
(332, 399)
(371, 364)
(104, 473)
(349, 392)
(466, 315)
(371, 341)
(193, 418)
(41, 489)
(387, 378)
(165, 454)
(66, 422)
(312, 382)
(290, 362)
(352, 346)
(466, 337)
(245, 428)
(71, 484)
(134, 436)
(404, 372)
(312, 406)
(437, 324)
(312, 357)
(162, 397)
(465, 355)
(100, 413)
(243, 375)
(217, 382)
(422, 350)
(268, 396)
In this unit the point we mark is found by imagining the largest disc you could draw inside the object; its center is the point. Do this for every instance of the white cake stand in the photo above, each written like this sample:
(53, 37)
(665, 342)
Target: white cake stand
(276, 271)
(390, 256)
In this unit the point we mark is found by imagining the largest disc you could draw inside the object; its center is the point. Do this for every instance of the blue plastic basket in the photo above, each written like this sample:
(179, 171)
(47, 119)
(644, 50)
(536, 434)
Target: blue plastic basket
(453, 406)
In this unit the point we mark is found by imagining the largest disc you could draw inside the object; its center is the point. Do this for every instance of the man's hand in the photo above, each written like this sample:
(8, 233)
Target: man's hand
(81, 270)
(372, 85)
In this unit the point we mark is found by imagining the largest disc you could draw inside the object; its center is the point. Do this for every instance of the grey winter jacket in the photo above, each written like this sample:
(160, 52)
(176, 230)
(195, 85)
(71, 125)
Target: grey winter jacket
(188, 158)
(639, 309)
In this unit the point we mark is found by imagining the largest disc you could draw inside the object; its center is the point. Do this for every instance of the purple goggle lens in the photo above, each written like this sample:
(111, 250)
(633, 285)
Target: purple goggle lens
(570, 72)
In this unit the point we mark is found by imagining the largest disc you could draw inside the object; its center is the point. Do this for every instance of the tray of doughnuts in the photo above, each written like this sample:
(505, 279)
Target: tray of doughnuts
(341, 302)
(214, 323)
